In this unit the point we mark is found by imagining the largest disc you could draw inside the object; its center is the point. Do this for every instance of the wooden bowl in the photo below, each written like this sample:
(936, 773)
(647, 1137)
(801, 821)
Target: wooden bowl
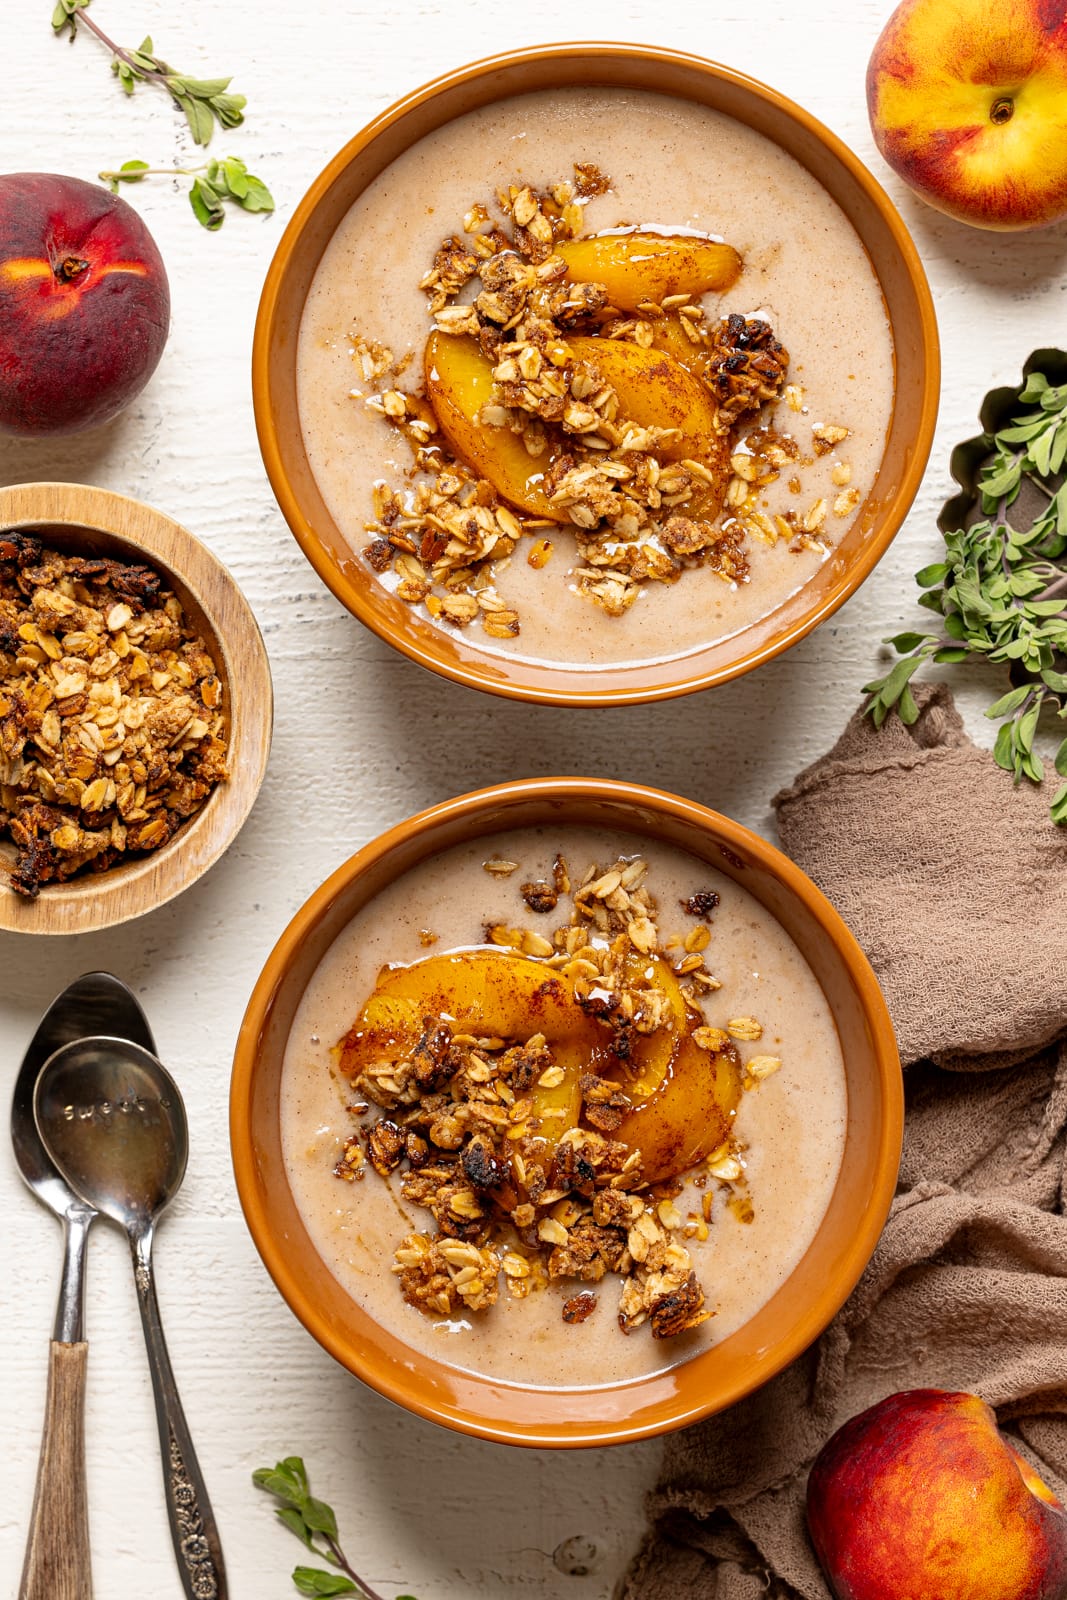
(72, 517)
(456, 654)
(513, 1412)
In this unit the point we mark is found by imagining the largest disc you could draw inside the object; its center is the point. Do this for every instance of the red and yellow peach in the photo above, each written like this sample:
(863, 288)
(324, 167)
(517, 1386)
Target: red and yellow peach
(84, 304)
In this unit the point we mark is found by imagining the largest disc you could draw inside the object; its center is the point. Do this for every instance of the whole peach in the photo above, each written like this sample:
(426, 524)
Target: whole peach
(968, 103)
(922, 1498)
(84, 304)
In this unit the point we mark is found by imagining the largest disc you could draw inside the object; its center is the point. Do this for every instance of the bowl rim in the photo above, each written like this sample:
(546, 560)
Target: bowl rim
(586, 693)
(853, 1255)
(90, 902)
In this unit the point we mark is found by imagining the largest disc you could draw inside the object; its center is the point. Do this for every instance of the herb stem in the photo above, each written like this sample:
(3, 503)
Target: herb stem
(339, 1561)
(315, 1524)
(151, 76)
(1058, 586)
(156, 172)
(1049, 494)
(1003, 525)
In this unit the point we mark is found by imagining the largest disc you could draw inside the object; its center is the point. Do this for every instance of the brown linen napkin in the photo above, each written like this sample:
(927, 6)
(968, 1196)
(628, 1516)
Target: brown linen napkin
(955, 884)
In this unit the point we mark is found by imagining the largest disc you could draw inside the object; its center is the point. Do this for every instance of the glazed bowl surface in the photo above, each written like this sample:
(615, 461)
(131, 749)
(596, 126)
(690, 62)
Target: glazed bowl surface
(456, 653)
(79, 520)
(513, 1411)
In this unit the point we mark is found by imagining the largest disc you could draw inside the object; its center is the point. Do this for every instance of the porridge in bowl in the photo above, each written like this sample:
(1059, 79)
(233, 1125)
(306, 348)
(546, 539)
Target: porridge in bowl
(599, 375)
(562, 1095)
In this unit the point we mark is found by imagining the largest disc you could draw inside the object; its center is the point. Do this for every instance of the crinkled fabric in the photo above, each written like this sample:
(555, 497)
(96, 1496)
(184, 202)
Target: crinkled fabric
(955, 884)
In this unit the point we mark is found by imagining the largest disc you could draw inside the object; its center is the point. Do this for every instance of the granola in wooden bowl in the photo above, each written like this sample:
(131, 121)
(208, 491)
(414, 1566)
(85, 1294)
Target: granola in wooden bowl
(112, 723)
(135, 708)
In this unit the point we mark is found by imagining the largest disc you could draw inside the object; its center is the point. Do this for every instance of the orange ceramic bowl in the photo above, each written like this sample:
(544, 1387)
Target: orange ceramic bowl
(456, 654)
(796, 1314)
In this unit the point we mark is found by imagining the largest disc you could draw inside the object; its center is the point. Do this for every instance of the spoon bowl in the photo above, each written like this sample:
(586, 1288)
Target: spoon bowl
(97, 1003)
(113, 1119)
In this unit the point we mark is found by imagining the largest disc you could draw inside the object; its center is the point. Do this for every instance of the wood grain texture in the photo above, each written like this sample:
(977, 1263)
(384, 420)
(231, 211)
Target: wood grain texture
(58, 1562)
(82, 520)
(363, 740)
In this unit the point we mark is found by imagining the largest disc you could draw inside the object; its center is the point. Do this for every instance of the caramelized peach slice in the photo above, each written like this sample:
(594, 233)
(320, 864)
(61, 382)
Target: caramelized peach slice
(688, 1114)
(488, 993)
(655, 390)
(669, 336)
(682, 1096)
(640, 267)
(459, 381)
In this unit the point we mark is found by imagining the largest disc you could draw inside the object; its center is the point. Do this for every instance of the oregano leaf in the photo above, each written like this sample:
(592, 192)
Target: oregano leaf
(1008, 702)
(907, 707)
(950, 655)
(207, 207)
(937, 572)
(313, 1581)
(906, 642)
(236, 177)
(310, 1520)
(1024, 734)
(1004, 747)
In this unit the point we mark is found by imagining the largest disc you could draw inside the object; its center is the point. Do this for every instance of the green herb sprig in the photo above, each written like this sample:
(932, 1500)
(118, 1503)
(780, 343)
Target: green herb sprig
(204, 101)
(1002, 593)
(213, 184)
(315, 1525)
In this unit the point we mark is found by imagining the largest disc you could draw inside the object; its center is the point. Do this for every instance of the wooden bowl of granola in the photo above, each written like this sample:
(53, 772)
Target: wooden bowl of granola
(623, 494)
(135, 708)
(566, 1113)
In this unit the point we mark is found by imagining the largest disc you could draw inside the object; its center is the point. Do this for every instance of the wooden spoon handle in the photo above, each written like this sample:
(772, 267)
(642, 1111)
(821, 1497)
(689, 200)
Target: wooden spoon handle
(57, 1565)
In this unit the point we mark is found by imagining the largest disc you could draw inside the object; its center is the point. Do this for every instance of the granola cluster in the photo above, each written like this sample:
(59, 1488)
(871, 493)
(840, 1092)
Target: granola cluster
(461, 1127)
(111, 721)
(766, 454)
(635, 516)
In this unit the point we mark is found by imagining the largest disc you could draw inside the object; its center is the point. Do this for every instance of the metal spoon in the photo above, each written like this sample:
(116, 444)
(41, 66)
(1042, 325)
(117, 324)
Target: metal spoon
(57, 1563)
(112, 1119)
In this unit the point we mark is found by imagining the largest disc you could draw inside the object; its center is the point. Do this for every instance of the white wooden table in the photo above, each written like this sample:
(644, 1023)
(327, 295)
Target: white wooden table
(363, 739)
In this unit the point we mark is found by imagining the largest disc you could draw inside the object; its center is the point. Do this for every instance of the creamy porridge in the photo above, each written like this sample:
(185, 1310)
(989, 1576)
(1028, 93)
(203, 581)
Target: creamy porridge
(676, 168)
(745, 1212)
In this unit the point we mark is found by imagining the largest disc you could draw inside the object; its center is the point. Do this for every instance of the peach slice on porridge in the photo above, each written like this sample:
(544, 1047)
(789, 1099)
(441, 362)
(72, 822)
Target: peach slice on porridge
(669, 1097)
(654, 391)
(572, 381)
(640, 268)
(669, 335)
(459, 382)
(683, 1100)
